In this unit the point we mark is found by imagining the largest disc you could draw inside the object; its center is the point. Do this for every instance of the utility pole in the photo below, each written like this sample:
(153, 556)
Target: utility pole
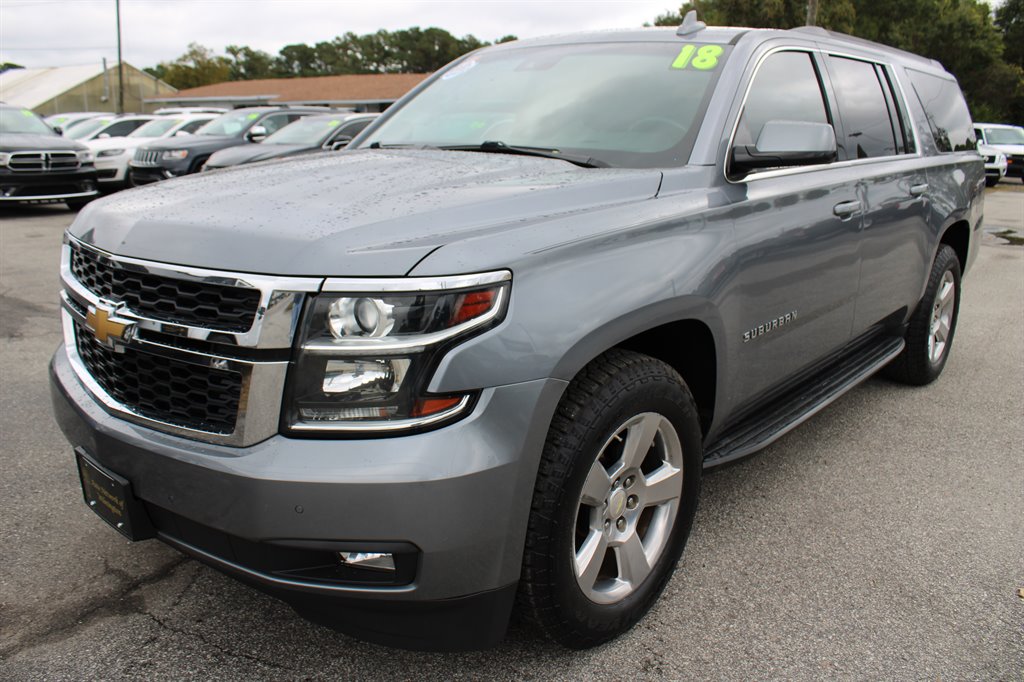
(120, 64)
(812, 12)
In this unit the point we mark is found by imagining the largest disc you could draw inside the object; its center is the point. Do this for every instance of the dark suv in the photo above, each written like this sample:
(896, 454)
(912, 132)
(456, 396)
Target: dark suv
(183, 155)
(481, 357)
(37, 165)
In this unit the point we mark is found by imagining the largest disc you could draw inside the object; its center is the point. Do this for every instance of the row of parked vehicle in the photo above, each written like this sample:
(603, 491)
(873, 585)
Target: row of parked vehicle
(73, 157)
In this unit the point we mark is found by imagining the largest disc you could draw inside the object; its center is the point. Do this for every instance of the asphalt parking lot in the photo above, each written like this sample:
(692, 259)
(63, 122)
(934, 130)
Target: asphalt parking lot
(883, 539)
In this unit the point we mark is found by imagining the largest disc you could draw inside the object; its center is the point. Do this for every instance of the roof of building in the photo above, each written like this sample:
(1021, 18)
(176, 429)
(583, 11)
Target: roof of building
(353, 88)
(31, 87)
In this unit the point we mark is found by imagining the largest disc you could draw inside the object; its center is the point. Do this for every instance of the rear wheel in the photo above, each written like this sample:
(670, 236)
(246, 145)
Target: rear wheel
(614, 500)
(929, 336)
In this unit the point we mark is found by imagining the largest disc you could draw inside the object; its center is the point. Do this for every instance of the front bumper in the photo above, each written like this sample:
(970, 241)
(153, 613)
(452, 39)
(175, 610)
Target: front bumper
(145, 175)
(47, 186)
(457, 499)
(112, 170)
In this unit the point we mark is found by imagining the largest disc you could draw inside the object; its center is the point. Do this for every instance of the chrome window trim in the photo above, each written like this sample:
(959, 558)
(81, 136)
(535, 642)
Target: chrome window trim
(411, 284)
(781, 172)
(275, 321)
(255, 421)
(378, 426)
(411, 344)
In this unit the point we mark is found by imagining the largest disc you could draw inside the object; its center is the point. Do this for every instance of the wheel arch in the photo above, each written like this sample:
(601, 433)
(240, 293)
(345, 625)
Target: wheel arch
(957, 236)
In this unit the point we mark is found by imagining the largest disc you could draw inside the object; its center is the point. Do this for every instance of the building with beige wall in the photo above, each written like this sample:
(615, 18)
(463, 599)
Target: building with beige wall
(62, 89)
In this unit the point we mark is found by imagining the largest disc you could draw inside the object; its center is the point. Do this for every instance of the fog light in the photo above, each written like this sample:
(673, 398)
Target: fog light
(379, 561)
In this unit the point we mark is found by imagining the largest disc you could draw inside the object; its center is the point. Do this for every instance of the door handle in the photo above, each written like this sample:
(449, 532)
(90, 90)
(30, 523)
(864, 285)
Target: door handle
(846, 208)
(918, 190)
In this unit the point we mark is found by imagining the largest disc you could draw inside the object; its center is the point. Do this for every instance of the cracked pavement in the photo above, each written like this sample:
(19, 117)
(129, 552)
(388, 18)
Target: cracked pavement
(882, 539)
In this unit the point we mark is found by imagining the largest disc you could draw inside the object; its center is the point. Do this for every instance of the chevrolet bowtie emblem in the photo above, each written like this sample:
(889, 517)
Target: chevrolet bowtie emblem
(107, 328)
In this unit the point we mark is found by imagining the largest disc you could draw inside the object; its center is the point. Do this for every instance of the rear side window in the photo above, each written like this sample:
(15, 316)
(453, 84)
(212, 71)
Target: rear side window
(866, 114)
(946, 110)
(785, 88)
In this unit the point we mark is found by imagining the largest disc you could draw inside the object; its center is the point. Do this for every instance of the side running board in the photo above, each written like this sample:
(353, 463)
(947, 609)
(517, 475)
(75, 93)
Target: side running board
(767, 425)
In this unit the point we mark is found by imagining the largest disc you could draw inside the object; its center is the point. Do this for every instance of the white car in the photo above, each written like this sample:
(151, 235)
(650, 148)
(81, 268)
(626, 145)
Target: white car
(107, 126)
(70, 118)
(113, 154)
(1007, 139)
(995, 164)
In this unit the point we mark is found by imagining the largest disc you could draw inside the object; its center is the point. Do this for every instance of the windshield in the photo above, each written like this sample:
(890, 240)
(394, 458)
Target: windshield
(308, 131)
(155, 128)
(86, 128)
(635, 105)
(22, 121)
(1004, 135)
(231, 124)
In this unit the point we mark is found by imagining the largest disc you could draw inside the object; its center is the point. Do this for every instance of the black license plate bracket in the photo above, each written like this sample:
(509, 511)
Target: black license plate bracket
(110, 497)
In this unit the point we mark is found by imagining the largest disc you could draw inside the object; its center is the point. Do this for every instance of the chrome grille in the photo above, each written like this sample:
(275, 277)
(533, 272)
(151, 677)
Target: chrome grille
(231, 309)
(172, 363)
(162, 388)
(42, 161)
(146, 157)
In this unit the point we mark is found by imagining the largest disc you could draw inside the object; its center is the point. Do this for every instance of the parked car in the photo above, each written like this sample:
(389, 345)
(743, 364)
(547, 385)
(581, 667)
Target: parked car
(1009, 140)
(481, 357)
(310, 134)
(995, 164)
(37, 165)
(66, 120)
(113, 154)
(179, 156)
(103, 127)
(177, 111)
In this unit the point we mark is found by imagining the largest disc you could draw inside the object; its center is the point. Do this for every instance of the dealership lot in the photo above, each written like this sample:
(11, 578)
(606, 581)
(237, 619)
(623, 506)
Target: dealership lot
(881, 539)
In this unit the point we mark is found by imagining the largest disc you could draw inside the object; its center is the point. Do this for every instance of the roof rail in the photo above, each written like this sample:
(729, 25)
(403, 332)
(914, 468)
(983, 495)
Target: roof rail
(690, 24)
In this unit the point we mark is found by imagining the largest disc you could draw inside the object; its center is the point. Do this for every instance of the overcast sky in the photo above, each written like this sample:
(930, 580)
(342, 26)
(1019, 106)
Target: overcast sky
(67, 32)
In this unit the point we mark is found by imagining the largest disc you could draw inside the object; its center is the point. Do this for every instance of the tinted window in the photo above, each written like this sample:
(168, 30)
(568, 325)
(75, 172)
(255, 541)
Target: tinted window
(193, 126)
(276, 122)
(946, 110)
(786, 88)
(122, 128)
(863, 108)
(353, 129)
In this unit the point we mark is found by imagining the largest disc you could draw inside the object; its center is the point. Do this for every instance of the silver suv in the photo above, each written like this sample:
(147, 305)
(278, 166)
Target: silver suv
(481, 358)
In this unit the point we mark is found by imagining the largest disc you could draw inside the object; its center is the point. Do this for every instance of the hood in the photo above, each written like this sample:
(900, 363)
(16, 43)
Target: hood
(26, 142)
(118, 143)
(234, 156)
(1015, 149)
(360, 213)
(195, 143)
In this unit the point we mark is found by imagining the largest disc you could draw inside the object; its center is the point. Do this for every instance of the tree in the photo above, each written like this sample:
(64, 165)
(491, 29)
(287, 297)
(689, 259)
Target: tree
(249, 64)
(1010, 20)
(198, 66)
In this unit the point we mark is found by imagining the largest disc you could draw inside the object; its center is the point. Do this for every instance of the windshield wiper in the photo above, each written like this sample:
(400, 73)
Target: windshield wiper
(498, 147)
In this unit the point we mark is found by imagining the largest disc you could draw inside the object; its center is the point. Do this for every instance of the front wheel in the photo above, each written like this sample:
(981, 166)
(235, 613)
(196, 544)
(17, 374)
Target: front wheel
(929, 336)
(992, 181)
(614, 500)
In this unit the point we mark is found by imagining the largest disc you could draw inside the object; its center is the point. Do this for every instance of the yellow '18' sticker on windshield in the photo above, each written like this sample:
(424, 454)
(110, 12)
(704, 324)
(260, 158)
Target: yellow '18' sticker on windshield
(704, 58)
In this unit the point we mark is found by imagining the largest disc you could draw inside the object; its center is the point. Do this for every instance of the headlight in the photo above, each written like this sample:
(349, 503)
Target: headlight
(84, 157)
(4, 158)
(369, 348)
(175, 154)
(110, 152)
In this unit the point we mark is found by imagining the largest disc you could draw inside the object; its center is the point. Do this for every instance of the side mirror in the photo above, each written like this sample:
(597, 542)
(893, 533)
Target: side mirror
(182, 133)
(340, 142)
(58, 130)
(256, 134)
(783, 144)
(103, 136)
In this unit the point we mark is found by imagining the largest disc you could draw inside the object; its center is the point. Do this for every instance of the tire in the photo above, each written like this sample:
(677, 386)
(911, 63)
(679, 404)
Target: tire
(589, 506)
(928, 348)
(991, 181)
